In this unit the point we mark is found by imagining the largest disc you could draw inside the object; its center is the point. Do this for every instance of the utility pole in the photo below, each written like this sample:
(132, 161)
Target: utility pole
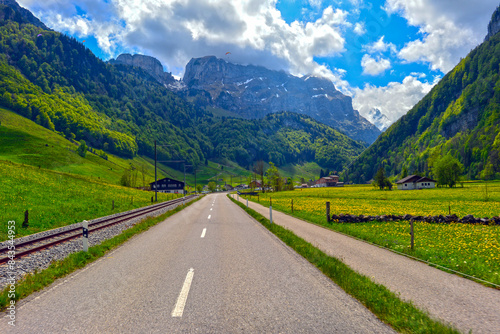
(156, 185)
(185, 177)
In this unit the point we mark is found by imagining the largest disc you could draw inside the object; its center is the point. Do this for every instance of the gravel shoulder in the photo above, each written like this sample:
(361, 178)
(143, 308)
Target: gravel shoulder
(454, 300)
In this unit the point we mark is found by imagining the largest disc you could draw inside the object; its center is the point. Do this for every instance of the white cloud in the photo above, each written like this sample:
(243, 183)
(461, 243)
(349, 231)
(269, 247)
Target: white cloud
(393, 100)
(449, 29)
(372, 66)
(315, 3)
(380, 46)
(359, 28)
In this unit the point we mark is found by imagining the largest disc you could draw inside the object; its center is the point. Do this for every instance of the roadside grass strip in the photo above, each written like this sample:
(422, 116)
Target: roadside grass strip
(57, 269)
(400, 315)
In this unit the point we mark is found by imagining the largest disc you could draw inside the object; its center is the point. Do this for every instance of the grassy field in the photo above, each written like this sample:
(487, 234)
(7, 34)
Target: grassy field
(55, 199)
(471, 249)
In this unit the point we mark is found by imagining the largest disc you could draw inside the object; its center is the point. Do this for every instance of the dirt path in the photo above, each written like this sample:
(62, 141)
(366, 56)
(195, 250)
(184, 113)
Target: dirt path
(460, 302)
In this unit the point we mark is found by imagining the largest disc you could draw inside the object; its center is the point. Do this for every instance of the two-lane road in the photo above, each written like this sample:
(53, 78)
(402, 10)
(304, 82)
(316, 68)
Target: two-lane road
(208, 269)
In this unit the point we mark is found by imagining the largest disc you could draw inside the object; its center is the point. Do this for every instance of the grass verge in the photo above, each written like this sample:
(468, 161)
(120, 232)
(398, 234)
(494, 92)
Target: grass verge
(400, 315)
(57, 269)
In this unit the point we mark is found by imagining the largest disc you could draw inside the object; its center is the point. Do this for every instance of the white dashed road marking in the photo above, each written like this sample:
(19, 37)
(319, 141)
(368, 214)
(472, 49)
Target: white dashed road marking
(181, 300)
(203, 233)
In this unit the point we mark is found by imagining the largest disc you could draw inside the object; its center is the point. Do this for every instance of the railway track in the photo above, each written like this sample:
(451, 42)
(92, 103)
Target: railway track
(27, 247)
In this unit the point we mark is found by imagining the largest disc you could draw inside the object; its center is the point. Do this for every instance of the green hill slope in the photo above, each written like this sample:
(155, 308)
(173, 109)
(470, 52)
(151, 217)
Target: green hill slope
(25, 142)
(459, 116)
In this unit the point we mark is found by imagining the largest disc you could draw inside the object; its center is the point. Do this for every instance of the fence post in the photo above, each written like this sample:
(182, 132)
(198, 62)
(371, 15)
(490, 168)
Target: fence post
(85, 239)
(327, 212)
(26, 223)
(271, 214)
(247, 202)
(412, 235)
(292, 205)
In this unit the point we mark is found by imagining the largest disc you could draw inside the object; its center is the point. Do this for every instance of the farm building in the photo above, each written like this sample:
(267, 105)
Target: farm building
(416, 182)
(328, 181)
(168, 185)
(255, 184)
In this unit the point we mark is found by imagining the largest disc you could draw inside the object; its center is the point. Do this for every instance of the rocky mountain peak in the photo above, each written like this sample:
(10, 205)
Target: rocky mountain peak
(250, 91)
(149, 64)
(494, 25)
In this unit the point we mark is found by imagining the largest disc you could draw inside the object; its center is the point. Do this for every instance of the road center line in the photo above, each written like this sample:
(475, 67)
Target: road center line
(181, 300)
(203, 233)
(211, 209)
(209, 216)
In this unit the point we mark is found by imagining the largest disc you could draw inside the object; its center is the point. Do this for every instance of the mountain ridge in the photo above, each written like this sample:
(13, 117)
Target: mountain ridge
(251, 91)
(254, 91)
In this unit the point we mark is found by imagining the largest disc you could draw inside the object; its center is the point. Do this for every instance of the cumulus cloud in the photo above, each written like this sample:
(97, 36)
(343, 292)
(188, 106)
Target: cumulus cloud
(449, 29)
(372, 66)
(359, 28)
(393, 100)
(380, 46)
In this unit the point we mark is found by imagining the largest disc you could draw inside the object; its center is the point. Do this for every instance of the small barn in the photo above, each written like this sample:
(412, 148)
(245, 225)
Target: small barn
(416, 182)
(168, 185)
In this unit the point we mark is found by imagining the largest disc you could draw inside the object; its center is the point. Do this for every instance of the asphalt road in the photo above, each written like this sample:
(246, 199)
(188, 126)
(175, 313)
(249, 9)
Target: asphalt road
(208, 269)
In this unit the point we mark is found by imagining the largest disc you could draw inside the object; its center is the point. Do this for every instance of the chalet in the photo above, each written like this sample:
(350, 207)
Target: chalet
(416, 182)
(328, 181)
(168, 185)
(255, 184)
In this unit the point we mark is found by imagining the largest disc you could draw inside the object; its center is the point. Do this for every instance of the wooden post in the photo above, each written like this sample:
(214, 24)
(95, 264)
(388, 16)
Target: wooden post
(327, 212)
(412, 235)
(292, 205)
(26, 220)
(151, 199)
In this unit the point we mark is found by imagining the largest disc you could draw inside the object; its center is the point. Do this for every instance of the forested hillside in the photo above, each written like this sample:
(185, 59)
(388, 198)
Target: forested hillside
(282, 138)
(460, 116)
(57, 82)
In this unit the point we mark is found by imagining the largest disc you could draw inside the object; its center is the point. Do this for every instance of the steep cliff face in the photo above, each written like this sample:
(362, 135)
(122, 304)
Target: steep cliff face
(494, 25)
(254, 91)
(149, 64)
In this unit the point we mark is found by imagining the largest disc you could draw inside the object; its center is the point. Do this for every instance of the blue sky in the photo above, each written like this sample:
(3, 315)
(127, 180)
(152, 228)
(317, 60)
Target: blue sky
(386, 54)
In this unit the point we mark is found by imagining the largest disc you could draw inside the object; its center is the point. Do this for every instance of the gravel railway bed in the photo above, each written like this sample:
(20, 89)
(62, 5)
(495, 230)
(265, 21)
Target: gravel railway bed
(42, 259)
